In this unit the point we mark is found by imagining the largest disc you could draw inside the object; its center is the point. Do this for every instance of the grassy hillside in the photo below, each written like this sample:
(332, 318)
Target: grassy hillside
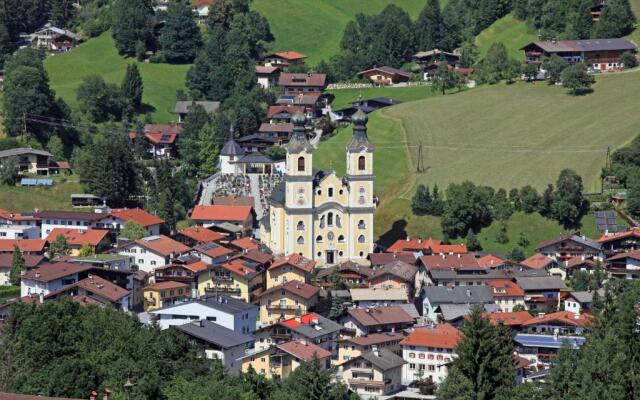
(56, 197)
(99, 56)
(508, 30)
(343, 97)
(314, 27)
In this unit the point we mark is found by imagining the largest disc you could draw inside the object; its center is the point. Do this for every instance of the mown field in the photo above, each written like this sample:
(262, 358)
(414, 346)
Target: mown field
(99, 56)
(344, 97)
(315, 27)
(24, 199)
(508, 30)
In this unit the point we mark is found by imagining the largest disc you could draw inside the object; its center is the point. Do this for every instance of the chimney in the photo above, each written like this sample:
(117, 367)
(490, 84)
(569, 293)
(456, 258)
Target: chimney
(468, 292)
(93, 395)
(38, 274)
(376, 352)
(107, 392)
(41, 298)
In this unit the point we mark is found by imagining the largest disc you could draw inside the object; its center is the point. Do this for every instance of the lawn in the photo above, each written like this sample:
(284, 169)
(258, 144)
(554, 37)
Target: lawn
(343, 97)
(508, 30)
(99, 56)
(24, 199)
(315, 27)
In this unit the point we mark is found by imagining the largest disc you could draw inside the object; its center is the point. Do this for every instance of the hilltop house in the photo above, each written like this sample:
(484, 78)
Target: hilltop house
(566, 247)
(161, 139)
(620, 242)
(53, 38)
(267, 76)
(182, 108)
(28, 160)
(384, 76)
(296, 83)
(284, 59)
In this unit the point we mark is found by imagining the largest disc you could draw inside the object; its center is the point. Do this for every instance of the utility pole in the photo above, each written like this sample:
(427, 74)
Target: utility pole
(420, 166)
(24, 126)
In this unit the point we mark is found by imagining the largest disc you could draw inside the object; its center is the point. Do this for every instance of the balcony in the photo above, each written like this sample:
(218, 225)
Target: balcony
(224, 289)
(365, 382)
(278, 306)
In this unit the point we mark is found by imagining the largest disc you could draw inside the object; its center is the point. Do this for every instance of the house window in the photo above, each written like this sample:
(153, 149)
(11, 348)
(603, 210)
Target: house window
(361, 163)
(412, 355)
(300, 164)
(153, 263)
(412, 366)
(140, 261)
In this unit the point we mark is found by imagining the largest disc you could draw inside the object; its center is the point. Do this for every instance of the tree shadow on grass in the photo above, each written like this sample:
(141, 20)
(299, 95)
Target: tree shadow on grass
(397, 231)
(147, 108)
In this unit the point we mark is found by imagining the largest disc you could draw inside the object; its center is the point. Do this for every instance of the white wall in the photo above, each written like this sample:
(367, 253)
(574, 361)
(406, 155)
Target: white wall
(432, 366)
(146, 260)
(19, 232)
(199, 311)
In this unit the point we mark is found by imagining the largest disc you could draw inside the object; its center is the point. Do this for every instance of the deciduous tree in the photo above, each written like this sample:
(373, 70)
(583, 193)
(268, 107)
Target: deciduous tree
(577, 79)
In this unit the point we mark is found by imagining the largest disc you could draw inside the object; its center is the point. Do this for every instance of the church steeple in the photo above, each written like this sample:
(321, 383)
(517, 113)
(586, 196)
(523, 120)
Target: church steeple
(231, 148)
(299, 141)
(359, 140)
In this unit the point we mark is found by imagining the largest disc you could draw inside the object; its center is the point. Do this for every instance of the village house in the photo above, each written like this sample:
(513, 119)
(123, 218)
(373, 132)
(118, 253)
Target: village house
(365, 321)
(6, 261)
(318, 214)
(428, 350)
(569, 246)
(98, 291)
(53, 38)
(288, 300)
(541, 293)
(578, 302)
(281, 114)
(51, 220)
(152, 251)
(474, 276)
(28, 160)
(200, 9)
(352, 347)
(96, 239)
(245, 244)
(349, 273)
(514, 320)
(396, 275)
(278, 132)
(426, 247)
(457, 262)
(161, 139)
(151, 223)
(620, 242)
(49, 277)
(267, 76)
(580, 263)
(210, 215)
(543, 350)
(507, 294)
(559, 323)
(225, 311)
(624, 265)
(385, 76)
(540, 262)
(453, 303)
(212, 253)
(257, 143)
(378, 297)
(297, 83)
(377, 372)
(492, 261)
(26, 246)
(185, 268)
(18, 219)
(284, 59)
(291, 268)
(311, 327)
(19, 232)
(237, 278)
(214, 341)
(164, 294)
(182, 108)
(596, 54)
(379, 259)
(196, 235)
(310, 102)
(281, 360)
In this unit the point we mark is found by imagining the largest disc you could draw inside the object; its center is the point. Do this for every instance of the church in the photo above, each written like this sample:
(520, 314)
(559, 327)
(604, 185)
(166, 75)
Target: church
(317, 214)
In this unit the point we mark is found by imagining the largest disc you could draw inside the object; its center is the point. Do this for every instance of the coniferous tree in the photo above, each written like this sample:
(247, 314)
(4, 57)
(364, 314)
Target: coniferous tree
(180, 38)
(437, 204)
(209, 149)
(17, 266)
(421, 201)
(473, 243)
(132, 88)
(633, 198)
(546, 202)
(132, 23)
(616, 20)
(188, 149)
(428, 27)
(581, 22)
(61, 12)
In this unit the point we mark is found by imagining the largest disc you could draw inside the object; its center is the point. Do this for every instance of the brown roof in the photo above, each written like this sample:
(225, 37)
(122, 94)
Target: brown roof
(163, 129)
(380, 315)
(442, 336)
(561, 317)
(289, 55)
(387, 70)
(297, 288)
(580, 260)
(515, 318)
(15, 396)
(397, 268)
(258, 256)
(220, 213)
(201, 234)
(295, 260)
(75, 215)
(25, 245)
(430, 244)
(263, 69)
(386, 258)
(246, 243)
(136, 215)
(49, 272)
(629, 254)
(232, 201)
(166, 285)
(274, 110)
(276, 127)
(449, 261)
(537, 261)
(304, 350)
(31, 261)
(102, 287)
(162, 245)
(297, 80)
(213, 250)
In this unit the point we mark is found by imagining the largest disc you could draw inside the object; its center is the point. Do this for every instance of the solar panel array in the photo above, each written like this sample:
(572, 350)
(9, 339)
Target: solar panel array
(165, 138)
(606, 221)
(36, 182)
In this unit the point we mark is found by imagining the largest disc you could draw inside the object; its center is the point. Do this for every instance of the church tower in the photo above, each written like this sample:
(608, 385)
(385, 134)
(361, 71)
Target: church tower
(360, 179)
(299, 190)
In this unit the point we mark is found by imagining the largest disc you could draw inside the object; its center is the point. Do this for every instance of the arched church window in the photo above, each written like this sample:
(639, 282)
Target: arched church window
(361, 163)
(330, 219)
(338, 221)
(300, 240)
(341, 239)
(319, 239)
(300, 226)
(361, 239)
(361, 200)
(361, 224)
(300, 164)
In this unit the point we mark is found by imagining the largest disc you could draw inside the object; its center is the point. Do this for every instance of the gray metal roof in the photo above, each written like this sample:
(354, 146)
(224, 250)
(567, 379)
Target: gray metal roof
(255, 158)
(540, 283)
(459, 294)
(183, 107)
(410, 309)
(452, 312)
(232, 148)
(222, 303)
(215, 334)
(19, 151)
(325, 326)
(585, 296)
(278, 194)
(385, 360)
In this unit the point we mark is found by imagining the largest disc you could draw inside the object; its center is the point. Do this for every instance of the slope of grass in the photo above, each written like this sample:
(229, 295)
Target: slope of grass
(99, 56)
(343, 97)
(508, 30)
(315, 27)
(56, 197)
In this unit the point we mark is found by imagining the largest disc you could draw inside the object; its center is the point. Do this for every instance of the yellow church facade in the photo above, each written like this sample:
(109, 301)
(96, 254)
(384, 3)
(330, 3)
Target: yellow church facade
(318, 214)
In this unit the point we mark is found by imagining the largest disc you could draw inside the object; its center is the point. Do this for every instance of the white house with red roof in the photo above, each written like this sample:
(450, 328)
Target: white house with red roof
(210, 215)
(284, 59)
(427, 351)
(291, 268)
(152, 251)
(151, 223)
(559, 323)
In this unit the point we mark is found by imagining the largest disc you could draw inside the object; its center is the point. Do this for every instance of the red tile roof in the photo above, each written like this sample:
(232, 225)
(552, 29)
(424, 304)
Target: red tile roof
(221, 213)
(449, 261)
(136, 215)
(505, 288)
(291, 55)
(246, 243)
(166, 285)
(201, 3)
(428, 245)
(537, 261)
(78, 237)
(263, 69)
(197, 266)
(274, 110)
(25, 245)
(632, 232)
(515, 318)
(103, 288)
(297, 288)
(162, 245)
(561, 318)
(4, 214)
(31, 261)
(295, 260)
(380, 315)
(302, 320)
(238, 267)
(580, 260)
(629, 254)
(163, 129)
(161, 138)
(304, 350)
(442, 336)
(49, 272)
(490, 261)
(201, 234)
